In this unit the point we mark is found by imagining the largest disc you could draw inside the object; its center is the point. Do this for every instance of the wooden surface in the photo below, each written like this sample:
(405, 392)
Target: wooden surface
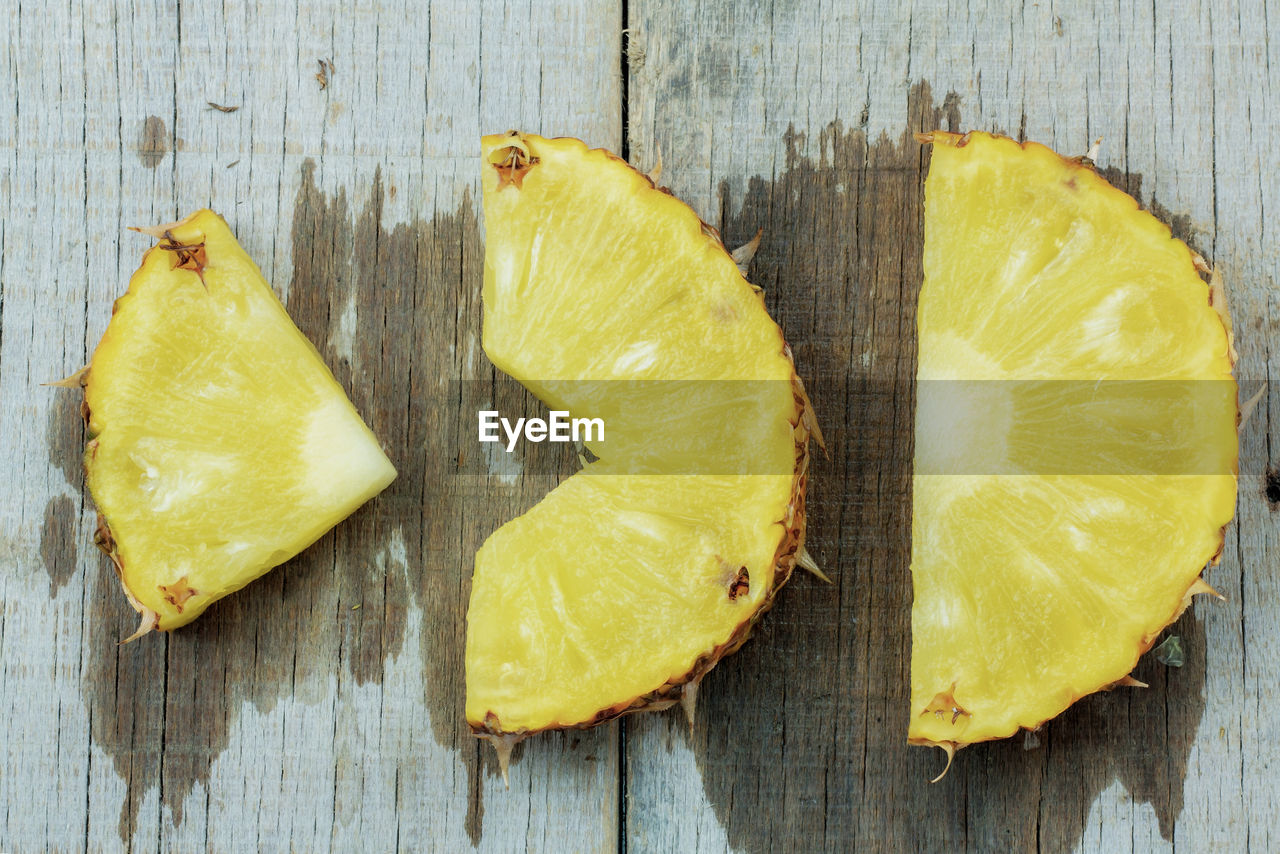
(321, 709)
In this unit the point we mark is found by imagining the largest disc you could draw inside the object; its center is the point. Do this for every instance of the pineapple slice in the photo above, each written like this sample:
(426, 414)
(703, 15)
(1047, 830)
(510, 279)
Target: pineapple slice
(609, 298)
(1075, 438)
(220, 444)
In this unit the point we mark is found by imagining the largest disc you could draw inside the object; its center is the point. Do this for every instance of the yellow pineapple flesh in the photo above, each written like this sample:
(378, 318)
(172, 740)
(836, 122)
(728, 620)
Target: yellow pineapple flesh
(1075, 438)
(220, 445)
(609, 298)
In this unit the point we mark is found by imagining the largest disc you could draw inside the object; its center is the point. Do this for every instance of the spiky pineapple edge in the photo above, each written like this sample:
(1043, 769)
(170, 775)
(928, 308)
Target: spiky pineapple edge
(684, 688)
(1218, 302)
(102, 535)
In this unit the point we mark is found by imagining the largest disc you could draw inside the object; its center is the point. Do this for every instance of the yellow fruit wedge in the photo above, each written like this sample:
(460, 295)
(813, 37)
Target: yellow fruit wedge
(1075, 438)
(609, 298)
(220, 444)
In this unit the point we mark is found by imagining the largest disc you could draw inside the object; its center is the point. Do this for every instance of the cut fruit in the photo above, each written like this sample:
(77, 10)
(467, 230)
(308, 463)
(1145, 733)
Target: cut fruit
(220, 444)
(1075, 438)
(609, 298)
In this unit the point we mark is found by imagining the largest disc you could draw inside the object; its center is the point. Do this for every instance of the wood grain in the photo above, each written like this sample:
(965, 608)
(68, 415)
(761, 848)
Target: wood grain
(321, 709)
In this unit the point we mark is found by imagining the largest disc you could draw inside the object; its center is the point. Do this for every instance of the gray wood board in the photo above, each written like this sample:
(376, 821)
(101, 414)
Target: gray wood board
(795, 118)
(321, 708)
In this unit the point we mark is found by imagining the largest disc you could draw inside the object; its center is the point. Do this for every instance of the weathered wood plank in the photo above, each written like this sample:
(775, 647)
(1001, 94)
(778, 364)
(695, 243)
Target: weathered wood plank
(791, 117)
(321, 708)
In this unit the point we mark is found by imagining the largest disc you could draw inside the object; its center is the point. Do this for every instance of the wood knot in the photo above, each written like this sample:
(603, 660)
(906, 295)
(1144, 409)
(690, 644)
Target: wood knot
(1272, 488)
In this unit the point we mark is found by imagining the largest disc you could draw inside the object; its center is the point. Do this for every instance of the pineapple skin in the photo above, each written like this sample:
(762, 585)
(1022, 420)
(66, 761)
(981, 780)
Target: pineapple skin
(790, 551)
(1082, 168)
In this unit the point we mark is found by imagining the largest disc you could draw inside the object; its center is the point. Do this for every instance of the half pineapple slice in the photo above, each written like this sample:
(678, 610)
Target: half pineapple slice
(220, 444)
(1075, 438)
(609, 298)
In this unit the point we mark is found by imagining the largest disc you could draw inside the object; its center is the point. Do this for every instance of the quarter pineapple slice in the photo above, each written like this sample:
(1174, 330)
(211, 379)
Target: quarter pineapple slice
(1075, 438)
(609, 298)
(220, 444)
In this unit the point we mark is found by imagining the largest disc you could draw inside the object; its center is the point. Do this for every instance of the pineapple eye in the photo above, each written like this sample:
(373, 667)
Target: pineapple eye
(515, 153)
(511, 161)
(177, 593)
(187, 255)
